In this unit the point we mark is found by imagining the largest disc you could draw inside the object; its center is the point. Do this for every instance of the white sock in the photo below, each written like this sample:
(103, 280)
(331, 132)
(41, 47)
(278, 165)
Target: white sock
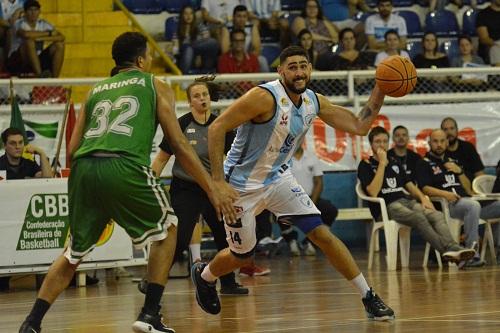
(359, 283)
(195, 250)
(207, 274)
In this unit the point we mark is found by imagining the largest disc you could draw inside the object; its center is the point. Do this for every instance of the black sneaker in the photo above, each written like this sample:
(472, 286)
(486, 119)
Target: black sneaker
(376, 308)
(206, 294)
(143, 286)
(27, 327)
(147, 323)
(457, 254)
(233, 289)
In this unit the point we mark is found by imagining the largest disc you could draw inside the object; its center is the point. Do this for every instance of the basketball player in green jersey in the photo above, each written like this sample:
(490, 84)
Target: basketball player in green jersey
(110, 178)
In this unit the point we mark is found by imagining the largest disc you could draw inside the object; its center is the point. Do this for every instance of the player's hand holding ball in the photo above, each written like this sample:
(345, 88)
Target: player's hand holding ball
(396, 76)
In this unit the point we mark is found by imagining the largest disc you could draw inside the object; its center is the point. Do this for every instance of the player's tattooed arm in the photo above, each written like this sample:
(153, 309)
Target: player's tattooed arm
(365, 112)
(343, 119)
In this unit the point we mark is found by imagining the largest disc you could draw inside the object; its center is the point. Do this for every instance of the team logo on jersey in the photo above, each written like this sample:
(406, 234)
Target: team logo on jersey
(296, 189)
(450, 179)
(284, 101)
(395, 168)
(307, 101)
(436, 169)
(288, 144)
(191, 130)
(391, 182)
(309, 118)
(306, 201)
(284, 119)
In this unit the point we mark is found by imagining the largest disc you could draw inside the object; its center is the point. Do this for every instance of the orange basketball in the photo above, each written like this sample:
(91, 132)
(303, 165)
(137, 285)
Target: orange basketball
(396, 76)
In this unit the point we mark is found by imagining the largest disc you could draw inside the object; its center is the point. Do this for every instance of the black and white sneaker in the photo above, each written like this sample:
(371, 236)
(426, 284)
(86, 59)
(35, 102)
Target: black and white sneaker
(206, 293)
(147, 323)
(456, 254)
(28, 327)
(376, 308)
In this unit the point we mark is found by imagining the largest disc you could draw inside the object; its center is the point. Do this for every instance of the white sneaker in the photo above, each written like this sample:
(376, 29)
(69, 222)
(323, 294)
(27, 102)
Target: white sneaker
(294, 248)
(310, 250)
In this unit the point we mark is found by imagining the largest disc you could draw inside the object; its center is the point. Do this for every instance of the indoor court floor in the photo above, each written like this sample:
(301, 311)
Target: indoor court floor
(301, 294)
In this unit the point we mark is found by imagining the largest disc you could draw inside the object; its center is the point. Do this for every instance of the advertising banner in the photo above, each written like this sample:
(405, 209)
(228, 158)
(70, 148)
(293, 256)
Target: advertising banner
(34, 225)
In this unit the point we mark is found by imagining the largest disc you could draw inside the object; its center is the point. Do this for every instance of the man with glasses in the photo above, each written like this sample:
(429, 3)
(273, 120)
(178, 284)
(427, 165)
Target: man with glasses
(237, 60)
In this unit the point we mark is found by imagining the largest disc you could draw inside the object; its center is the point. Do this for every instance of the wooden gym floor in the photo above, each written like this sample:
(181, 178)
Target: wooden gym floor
(301, 295)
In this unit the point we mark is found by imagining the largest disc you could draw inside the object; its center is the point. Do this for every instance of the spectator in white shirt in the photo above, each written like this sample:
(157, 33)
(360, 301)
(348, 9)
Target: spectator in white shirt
(10, 11)
(378, 24)
(27, 53)
(392, 47)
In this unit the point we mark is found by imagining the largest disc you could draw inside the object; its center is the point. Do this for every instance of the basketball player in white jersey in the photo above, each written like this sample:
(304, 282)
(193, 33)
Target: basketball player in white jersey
(272, 120)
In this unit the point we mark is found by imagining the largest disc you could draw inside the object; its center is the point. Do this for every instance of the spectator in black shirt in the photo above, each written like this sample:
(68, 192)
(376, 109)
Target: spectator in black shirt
(407, 158)
(462, 151)
(440, 176)
(384, 177)
(488, 31)
(18, 167)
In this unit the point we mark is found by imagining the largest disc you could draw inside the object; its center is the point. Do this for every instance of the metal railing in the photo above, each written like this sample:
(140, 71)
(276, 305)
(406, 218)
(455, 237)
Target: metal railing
(434, 86)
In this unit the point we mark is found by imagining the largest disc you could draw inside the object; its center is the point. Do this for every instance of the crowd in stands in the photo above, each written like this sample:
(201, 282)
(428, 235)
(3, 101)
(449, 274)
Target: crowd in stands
(340, 34)
(31, 46)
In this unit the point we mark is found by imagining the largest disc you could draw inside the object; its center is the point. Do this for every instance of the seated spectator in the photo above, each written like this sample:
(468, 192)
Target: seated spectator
(440, 176)
(341, 13)
(348, 58)
(252, 39)
(237, 60)
(407, 158)
(10, 11)
(267, 13)
(451, 5)
(196, 48)
(307, 171)
(431, 57)
(463, 152)
(383, 177)
(392, 47)
(305, 40)
(217, 14)
(488, 31)
(27, 53)
(467, 58)
(377, 25)
(323, 31)
(18, 167)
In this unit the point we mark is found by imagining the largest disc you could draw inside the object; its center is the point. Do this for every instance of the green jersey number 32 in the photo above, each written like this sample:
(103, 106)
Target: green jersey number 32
(127, 106)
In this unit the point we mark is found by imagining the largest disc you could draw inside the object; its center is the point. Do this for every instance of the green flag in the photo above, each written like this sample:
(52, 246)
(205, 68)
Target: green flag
(16, 119)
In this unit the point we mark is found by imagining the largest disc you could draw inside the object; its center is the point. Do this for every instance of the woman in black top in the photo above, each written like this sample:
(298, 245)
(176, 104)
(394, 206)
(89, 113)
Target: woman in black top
(431, 58)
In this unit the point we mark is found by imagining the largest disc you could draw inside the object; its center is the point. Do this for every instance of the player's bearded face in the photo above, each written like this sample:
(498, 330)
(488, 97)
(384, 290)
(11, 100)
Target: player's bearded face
(296, 74)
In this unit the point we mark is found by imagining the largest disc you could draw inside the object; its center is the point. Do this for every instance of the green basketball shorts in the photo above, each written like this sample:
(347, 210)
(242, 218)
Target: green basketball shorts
(104, 188)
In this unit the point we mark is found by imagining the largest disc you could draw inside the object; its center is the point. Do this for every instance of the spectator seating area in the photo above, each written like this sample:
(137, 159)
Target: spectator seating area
(447, 24)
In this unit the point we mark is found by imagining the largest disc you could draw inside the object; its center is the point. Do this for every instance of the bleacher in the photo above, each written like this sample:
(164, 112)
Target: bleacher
(448, 25)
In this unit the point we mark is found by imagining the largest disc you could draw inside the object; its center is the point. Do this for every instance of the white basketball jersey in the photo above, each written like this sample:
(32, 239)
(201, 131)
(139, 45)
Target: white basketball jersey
(261, 152)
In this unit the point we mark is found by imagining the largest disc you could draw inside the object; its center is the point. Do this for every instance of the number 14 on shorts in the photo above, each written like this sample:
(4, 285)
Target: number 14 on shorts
(235, 237)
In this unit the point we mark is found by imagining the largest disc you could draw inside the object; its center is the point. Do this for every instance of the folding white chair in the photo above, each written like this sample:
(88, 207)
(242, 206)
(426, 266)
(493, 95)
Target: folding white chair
(455, 226)
(392, 231)
(483, 185)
